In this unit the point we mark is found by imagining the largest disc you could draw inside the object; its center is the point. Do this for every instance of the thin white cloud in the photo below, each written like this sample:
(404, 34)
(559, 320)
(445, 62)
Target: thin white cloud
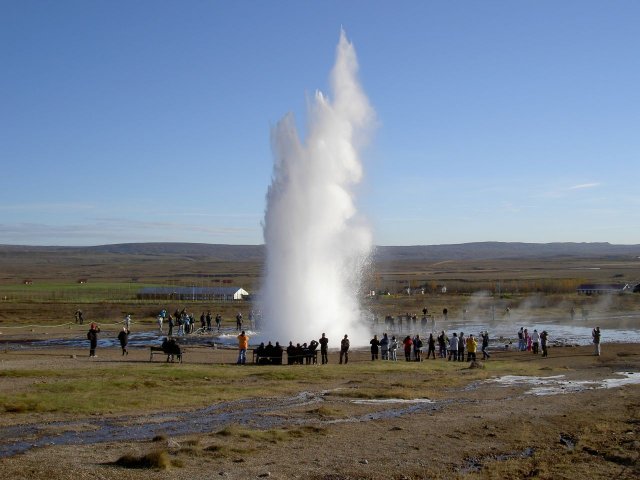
(46, 207)
(564, 191)
(106, 231)
(584, 185)
(212, 215)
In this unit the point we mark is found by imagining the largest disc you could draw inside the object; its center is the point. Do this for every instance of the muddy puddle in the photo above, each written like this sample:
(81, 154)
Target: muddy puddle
(557, 384)
(258, 414)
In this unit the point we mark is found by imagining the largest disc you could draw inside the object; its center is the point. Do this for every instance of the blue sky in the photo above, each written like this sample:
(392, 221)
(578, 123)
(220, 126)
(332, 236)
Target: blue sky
(130, 121)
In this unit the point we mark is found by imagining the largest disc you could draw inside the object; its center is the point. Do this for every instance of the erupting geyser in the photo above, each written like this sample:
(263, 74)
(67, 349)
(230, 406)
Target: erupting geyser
(317, 246)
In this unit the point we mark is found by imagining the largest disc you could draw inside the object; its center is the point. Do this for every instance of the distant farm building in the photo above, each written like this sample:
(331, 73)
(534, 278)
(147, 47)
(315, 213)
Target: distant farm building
(600, 288)
(224, 294)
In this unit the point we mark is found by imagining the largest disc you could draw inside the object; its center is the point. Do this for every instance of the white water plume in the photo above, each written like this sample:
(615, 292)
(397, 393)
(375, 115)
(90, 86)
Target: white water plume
(317, 245)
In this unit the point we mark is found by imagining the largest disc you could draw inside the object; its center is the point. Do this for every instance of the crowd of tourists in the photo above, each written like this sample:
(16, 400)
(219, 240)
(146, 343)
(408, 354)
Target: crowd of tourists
(533, 342)
(184, 323)
(451, 348)
(444, 346)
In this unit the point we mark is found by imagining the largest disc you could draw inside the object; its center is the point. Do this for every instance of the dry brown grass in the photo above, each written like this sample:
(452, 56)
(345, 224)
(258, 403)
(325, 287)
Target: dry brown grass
(157, 459)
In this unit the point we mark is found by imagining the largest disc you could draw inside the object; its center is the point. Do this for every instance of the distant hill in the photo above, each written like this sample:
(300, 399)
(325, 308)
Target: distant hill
(505, 250)
(255, 253)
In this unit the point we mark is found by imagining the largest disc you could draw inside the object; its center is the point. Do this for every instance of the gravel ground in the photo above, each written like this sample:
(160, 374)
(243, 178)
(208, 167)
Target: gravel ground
(477, 430)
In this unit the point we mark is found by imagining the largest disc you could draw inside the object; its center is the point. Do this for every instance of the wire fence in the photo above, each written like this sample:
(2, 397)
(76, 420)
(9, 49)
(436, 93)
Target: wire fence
(91, 294)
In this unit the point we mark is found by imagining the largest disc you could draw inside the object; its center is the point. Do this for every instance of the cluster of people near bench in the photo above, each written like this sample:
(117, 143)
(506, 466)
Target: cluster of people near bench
(269, 354)
(298, 354)
(171, 349)
(301, 354)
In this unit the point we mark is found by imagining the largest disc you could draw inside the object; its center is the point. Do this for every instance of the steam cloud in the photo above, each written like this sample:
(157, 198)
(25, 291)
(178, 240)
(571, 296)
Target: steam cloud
(317, 246)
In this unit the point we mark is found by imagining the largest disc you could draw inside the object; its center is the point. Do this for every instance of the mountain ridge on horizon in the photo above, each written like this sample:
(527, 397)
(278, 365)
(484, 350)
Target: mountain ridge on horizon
(463, 251)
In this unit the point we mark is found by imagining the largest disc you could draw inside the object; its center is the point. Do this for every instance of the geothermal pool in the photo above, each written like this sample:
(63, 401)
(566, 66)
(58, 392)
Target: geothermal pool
(619, 328)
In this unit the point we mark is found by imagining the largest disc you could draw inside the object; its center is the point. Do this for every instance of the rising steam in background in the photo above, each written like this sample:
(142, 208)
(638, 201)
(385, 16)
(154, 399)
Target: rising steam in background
(317, 245)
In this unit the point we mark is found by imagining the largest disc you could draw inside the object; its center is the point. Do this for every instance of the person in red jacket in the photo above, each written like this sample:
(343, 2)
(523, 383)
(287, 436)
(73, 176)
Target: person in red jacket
(407, 343)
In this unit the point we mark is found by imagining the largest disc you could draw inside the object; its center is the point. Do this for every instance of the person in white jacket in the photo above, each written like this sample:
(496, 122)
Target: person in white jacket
(393, 349)
(535, 340)
(453, 347)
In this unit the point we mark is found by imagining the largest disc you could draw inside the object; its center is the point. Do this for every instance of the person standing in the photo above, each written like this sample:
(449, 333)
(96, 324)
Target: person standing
(218, 321)
(596, 340)
(461, 344)
(535, 340)
(375, 347)
(485, 345)
(324, 349)
(127, 321)
(92, 336)
(208, 320)
(472, 346)
(431, 346)
(384, 347)
(159, 321)
(171, 325)
(442, 344)
(521, 339)
(239, 321)
(243, 344)
(417, 348)
(291, 353)
(393, 349)
(344, 350)
(544, 337)
(123, 337)
(453, 347)
(407, 344)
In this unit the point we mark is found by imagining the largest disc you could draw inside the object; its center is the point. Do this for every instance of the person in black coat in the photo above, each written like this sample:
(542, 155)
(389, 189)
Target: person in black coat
(171, 348)
(291, 354)
(92, 336)
(123, 337)
(277, 353)
(375, 344)
(261, 354)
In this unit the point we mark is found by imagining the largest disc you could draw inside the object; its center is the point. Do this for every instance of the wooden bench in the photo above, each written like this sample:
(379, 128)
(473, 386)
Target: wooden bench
(155, 350)
(272, 358)
(312, 356)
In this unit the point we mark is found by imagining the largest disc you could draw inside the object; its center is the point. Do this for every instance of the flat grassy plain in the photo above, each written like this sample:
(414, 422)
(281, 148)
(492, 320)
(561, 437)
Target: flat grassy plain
(113, 280)
(318, 422)
(128, 418)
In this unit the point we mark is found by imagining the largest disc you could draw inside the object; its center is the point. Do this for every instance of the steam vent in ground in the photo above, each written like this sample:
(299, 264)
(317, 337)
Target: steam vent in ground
(225, 294)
